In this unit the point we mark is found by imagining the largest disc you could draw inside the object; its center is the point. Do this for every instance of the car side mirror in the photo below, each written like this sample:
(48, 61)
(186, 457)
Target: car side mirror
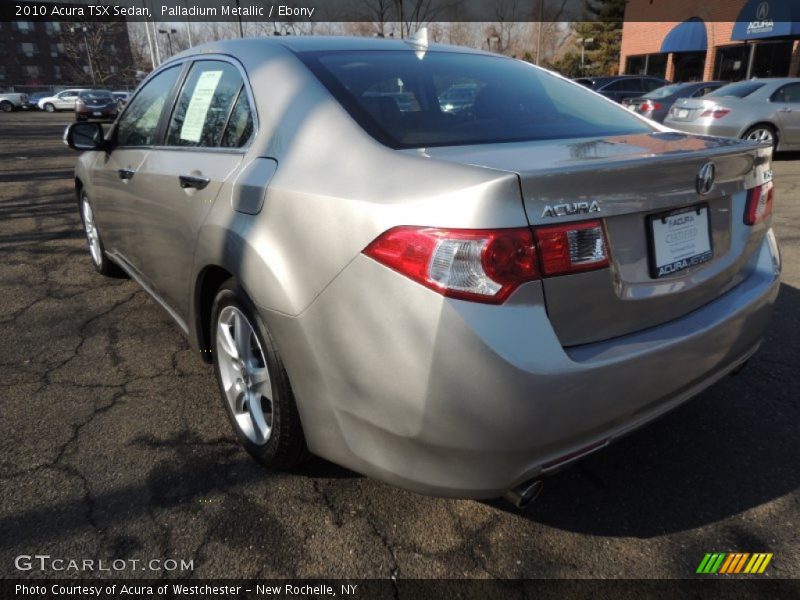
(85, 136)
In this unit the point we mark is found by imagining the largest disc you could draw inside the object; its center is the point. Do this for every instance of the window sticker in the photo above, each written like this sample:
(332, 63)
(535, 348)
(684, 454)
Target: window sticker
(195, 117)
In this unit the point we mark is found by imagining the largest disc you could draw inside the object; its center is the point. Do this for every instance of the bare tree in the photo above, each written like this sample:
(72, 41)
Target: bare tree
(95, 53)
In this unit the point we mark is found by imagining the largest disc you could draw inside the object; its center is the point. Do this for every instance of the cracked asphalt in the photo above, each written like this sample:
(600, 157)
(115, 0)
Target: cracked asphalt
(114, 443)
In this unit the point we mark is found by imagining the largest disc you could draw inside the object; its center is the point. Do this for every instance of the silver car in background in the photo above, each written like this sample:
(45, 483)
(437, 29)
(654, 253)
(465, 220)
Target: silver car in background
(762, 110)
(456, 302)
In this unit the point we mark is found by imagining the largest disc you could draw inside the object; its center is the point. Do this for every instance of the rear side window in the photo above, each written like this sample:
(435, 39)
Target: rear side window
(664, 91)
(739, 90)
(449, 98)
(139, 122)
(240, 125)
(652, 84)
(204, 105)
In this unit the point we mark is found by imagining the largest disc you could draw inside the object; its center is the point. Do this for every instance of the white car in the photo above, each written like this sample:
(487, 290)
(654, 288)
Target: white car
(11, 101)
(63, 100)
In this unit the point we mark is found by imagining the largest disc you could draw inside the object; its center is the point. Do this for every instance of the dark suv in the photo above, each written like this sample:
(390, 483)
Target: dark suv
(96, 104)
(618, 87)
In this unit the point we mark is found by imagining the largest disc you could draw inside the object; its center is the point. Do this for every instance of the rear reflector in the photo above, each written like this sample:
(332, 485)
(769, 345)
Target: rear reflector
(759, 203)
(572, 247)
(487, 265)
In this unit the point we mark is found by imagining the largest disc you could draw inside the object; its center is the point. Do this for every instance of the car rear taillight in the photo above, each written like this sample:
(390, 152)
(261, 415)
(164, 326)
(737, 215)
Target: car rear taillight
(759, 203)
(486, 265)
(650, 105)
(717, 113)
(571, 248)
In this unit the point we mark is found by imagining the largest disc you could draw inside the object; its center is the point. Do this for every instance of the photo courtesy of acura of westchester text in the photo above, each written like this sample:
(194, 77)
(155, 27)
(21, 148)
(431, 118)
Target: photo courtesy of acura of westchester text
(399, 298)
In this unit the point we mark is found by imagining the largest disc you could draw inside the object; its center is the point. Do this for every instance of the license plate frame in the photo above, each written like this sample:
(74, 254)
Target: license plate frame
(683, 113)
(98, 113)
(674, 257)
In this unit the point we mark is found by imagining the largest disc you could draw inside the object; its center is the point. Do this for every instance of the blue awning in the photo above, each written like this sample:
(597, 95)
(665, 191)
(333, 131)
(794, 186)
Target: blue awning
(761, 19)
(689, 36)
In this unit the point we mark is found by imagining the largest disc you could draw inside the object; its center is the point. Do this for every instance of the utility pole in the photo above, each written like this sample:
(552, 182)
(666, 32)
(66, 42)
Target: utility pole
(168, 33)
(85, 31)
(241, 29)
(539, 31)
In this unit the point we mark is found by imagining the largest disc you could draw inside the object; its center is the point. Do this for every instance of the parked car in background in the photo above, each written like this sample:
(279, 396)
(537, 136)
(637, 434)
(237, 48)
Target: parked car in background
(619, 87)
(95, 104)
(656, 104)
(11, 101)
(764, 110)
(121, 98)
(457, 304)
(63, 100)
(33, 100)
(458, 97)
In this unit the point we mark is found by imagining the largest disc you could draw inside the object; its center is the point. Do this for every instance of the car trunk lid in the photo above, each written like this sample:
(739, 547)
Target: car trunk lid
(630, 182)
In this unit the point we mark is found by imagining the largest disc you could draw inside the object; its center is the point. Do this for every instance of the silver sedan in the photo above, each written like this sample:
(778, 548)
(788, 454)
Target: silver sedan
(762, 110)
(456, 302)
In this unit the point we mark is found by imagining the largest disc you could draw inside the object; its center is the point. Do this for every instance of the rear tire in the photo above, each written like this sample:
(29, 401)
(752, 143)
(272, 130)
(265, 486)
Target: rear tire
(763, 132)
(100, 261)
(253, 382)
(6, 106)
(49, 108)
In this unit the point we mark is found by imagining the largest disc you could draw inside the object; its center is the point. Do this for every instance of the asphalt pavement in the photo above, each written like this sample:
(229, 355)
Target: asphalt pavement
(114, 443)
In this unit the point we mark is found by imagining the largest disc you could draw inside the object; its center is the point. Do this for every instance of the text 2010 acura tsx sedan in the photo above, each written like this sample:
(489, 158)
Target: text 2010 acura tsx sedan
(456, 302)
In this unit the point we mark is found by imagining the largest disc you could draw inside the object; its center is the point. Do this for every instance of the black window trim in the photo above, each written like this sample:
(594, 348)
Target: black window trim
(185, 64)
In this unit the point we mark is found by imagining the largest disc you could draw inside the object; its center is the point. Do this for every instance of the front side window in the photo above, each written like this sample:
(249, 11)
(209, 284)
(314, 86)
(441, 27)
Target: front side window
(139, 123)
(788, 93)
(450, 98)
(204, 104)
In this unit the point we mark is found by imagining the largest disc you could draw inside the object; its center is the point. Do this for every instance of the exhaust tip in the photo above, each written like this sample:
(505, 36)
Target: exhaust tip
(523, 495)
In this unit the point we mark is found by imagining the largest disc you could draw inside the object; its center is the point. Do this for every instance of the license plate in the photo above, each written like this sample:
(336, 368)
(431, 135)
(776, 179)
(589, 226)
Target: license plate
(679, 240)
(97, 113)
(683, 113)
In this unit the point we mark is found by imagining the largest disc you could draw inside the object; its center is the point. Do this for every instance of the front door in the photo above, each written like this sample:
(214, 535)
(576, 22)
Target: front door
(117, 175)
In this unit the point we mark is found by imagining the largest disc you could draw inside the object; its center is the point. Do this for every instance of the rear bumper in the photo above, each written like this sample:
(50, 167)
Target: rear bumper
(706, 127)
(462, 399)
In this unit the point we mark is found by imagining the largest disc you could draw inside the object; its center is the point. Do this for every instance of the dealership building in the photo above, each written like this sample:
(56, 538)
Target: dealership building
(729, 40)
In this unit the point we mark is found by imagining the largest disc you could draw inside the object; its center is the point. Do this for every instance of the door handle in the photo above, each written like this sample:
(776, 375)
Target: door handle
(786, 109)
(192, 181)
(126, 174)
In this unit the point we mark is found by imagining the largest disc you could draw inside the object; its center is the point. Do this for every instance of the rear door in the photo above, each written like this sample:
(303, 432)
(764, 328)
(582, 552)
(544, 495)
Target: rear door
(205, 138)
(787, 105)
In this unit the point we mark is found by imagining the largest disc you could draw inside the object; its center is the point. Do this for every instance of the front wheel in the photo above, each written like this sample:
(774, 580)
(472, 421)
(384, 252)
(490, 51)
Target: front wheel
(100, 261)
(253, 382)
(762, 133)
(49, 107)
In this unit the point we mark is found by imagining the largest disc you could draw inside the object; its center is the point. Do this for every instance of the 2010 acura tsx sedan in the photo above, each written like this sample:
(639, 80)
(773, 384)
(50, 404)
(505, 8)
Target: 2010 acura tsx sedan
(456, 302)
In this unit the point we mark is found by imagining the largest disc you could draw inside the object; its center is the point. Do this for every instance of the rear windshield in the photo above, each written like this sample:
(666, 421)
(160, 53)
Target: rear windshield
(96, 95)
(449, 98)
(740, 89)
(663, 92)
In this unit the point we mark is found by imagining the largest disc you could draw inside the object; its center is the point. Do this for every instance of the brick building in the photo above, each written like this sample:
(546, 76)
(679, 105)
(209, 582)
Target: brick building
(41, 55)
(729, 40)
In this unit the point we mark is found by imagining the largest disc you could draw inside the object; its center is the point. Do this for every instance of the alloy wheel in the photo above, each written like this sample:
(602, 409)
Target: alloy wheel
(92, 236)
(245, 377)
(761, 134)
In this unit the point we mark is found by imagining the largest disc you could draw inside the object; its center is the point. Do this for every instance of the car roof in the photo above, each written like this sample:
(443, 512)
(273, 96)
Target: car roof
(319, 44)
